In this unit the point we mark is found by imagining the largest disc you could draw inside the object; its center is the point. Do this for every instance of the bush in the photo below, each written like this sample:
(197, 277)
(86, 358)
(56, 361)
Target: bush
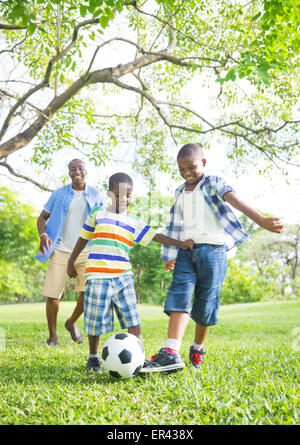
(244, 285)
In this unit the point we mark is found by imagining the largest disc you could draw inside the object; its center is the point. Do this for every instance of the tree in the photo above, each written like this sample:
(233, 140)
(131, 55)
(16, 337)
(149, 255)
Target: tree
(21, 277)
(151, 281)
(54, 54)
(275, 258)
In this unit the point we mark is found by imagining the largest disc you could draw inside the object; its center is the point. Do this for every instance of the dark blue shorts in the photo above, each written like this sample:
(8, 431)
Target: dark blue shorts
(199, 272)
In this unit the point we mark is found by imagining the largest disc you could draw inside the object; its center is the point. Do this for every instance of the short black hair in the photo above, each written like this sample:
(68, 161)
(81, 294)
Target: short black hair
(73, 160)
(119, 178)
(190, 151)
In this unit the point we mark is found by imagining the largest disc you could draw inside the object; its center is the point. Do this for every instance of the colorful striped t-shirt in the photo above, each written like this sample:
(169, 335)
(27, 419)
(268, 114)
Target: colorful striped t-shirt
(112, 235)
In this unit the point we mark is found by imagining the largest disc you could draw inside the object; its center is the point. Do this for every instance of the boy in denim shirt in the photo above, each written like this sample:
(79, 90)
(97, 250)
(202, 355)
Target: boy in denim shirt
(200, 212)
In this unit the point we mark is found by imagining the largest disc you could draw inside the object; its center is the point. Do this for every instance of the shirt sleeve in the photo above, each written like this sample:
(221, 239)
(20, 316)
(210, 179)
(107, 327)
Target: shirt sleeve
(222, 187)
(87, 230)
(143, 233)
(50, 203)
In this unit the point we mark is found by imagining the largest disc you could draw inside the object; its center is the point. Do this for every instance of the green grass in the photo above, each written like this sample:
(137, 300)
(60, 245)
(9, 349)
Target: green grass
(250, 374)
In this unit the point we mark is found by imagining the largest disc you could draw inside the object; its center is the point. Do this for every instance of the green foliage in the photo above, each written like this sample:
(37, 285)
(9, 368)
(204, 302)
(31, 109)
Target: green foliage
(20, 275)
(243, 285)
(58, 45)
(151, 281)
(274, 258)
(25, 12)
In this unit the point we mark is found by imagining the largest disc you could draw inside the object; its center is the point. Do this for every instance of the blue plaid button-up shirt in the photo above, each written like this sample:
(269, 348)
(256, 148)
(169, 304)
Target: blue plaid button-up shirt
(213, 189)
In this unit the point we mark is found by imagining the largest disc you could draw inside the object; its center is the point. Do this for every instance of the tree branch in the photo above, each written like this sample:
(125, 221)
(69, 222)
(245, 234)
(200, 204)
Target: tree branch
(12, 172)
(46, 79)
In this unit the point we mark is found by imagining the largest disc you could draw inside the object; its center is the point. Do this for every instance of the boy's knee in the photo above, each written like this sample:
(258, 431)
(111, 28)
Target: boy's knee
(52, 301)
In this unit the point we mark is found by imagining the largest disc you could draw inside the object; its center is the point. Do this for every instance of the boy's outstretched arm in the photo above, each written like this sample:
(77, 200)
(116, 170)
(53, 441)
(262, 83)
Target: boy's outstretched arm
(268, 223)
(79, 246)
(163, 239)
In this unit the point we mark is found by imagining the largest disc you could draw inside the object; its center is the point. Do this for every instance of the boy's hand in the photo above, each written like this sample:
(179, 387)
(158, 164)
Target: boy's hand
(272, 224)
(45, 243)
(71, 271)
(169, 265)
(187, 244)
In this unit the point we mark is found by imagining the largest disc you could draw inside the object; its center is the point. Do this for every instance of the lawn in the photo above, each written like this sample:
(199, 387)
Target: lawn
(250, 375)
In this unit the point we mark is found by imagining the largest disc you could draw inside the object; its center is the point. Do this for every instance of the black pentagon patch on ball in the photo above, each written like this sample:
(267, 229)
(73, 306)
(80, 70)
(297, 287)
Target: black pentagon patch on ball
(115, 374)
(121, 336)
(105, 352)
(137, 370)
(125, 356)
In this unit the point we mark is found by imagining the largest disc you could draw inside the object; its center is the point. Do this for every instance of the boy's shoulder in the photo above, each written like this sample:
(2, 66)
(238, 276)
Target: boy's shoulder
(207, 180)
(213, 179)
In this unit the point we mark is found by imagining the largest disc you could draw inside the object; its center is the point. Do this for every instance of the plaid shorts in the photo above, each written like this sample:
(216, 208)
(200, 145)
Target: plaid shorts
(102, 297)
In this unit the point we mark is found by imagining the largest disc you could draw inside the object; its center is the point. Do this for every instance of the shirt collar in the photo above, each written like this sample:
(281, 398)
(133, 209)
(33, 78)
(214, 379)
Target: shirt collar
(85, 190)
(199, 185)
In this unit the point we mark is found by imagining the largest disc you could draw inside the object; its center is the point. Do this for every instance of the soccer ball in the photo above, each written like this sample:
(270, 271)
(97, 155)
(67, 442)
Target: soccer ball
(123, 355)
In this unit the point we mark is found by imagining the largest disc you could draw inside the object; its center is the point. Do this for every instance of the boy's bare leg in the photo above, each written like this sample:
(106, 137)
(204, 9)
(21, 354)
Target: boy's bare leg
(177, 324)
(93, 363)
(52, 307)
(71, 322)
(94, 344)
(77, 311)
(201, 334)
(135, 330)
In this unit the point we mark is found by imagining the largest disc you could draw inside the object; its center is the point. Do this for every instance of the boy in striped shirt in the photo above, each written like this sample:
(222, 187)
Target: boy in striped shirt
(108, 274)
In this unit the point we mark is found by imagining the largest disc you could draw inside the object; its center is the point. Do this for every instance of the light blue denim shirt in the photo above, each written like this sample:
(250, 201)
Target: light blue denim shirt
(58, 205)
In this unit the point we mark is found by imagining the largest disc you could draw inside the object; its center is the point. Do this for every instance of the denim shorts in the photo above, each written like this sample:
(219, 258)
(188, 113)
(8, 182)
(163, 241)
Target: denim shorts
(104, 296)
(200, 273)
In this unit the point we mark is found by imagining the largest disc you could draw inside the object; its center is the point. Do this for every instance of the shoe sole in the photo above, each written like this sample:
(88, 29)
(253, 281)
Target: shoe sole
(167, 368)
(94, 370)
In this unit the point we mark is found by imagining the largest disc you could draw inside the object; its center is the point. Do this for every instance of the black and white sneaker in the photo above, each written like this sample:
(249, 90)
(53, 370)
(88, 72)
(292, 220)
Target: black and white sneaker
(165, 360)
(94, 364)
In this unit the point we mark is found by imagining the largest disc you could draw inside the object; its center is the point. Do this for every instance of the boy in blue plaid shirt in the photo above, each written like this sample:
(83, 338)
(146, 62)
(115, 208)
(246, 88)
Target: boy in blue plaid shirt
(200, 212)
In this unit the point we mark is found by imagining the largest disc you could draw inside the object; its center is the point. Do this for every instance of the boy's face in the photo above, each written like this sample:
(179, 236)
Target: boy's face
(121, 196)
(77, 173)
(190, 169)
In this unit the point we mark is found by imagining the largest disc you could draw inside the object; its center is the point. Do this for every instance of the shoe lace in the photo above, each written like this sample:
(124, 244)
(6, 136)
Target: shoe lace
(163, 350)
(196, 357)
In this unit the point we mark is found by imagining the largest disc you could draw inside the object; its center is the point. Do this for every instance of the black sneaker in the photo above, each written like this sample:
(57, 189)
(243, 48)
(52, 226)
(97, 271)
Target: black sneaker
(196, 357)
(166, 360)
(94, 364)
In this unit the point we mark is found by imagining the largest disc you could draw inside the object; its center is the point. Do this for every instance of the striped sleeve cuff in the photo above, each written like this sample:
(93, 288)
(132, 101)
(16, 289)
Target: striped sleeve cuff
(86, 232)
(146, 235)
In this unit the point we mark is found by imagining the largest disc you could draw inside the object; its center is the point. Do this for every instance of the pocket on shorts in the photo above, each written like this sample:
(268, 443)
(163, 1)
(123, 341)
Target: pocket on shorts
(218, 248)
